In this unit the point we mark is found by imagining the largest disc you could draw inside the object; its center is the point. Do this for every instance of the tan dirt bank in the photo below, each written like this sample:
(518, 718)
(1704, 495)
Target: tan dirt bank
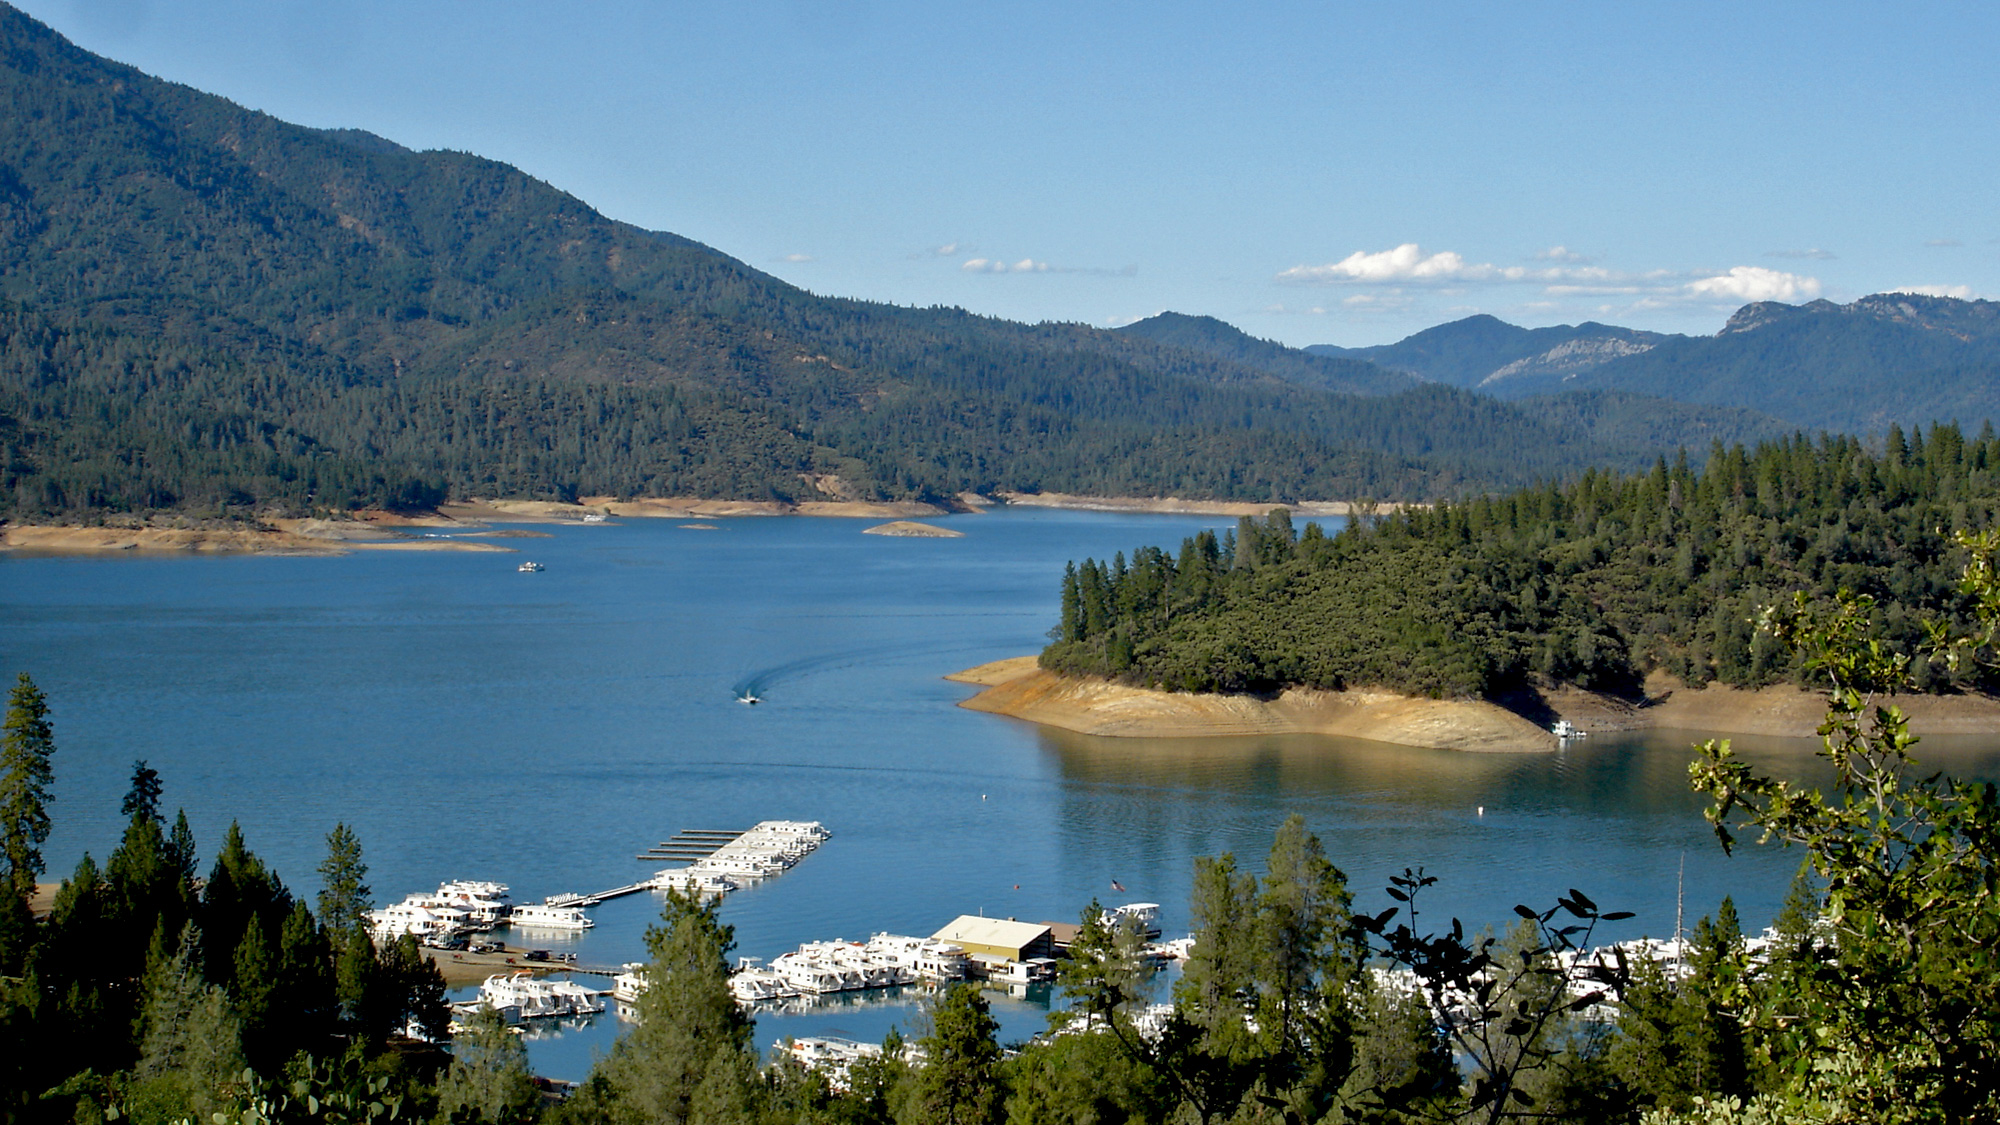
(219, 540)
(1019, 688)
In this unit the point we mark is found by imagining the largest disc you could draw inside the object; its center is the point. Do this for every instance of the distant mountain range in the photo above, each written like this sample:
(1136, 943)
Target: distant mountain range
(206, 310)
(1891, 357)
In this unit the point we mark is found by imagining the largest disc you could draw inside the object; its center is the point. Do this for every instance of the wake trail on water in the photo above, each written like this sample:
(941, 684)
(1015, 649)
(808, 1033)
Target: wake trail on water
(758, 682)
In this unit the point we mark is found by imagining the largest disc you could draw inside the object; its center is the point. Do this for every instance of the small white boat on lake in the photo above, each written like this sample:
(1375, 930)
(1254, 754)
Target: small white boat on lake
(539, 999)
(542, 916)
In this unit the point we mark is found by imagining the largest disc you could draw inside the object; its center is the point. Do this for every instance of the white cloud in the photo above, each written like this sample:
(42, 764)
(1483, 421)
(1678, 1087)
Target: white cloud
(994, 265)
(797, 258)
(1815, 254)
(1755, 283)
(949, 249)
(1033, 265)
(1962, 292)
(1407, 262)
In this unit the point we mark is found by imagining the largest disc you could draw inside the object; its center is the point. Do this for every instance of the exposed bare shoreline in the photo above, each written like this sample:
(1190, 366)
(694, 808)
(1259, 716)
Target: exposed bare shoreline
(1017, 687)
(453, 526)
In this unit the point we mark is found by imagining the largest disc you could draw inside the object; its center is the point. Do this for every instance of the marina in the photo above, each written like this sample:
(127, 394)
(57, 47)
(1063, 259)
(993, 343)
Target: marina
(720, 862)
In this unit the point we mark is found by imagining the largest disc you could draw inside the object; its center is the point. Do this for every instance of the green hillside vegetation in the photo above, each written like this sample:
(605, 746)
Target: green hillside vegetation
(1594, 583)
(1891, 357)
(214, 312)
(1465, 352)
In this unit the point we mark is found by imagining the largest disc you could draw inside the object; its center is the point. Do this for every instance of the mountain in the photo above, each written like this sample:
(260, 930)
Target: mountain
(206, 310)
(1890, 357)
(1209, 336)
(1853, 368)
(1487, 353)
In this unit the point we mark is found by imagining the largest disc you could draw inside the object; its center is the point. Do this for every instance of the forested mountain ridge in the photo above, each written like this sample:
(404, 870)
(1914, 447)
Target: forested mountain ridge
(1853, 368)
(1486, 352)
(215, 311)
(1594, 583)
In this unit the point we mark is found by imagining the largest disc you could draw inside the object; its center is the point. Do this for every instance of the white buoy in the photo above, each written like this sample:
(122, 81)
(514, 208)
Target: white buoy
(1482, 810)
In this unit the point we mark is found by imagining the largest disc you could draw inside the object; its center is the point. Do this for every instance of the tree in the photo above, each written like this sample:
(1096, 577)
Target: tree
(25, 777)
(143, 798)
(959, 1081)
(190, 1046)
(1898, 1015)
(489, 1081)
(343, 896)
(1312, 959)
(691, 1056)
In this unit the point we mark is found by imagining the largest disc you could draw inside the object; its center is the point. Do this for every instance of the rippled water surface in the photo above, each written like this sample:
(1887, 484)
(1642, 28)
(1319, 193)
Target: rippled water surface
(541, 729)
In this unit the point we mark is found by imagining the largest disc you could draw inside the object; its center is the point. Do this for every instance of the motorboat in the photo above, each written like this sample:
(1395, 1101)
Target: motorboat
(541, 915)
(539, 999)
(531, 568)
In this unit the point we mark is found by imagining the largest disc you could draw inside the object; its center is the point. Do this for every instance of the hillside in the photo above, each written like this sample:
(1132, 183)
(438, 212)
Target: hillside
(1891, 357)
(214, 311)
(1488, 353)
(1596, 584)
(1853, 368)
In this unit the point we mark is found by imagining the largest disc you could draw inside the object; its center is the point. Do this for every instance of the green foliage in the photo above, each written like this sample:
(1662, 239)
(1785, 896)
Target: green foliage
(489, 1081)
(959, 1082)
(690, 1058)
(25, 776)
(1891, 1012)
(1593, 583)
(343, 896)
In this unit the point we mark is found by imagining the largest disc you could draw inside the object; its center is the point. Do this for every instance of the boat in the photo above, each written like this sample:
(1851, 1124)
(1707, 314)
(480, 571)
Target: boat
(531, 568)
(539, 999)
(541, 915)
(419, 916)
(484, 903)
(1565, 730)
(691, 881)
(593, 517)
(626, 986)
(748, 699)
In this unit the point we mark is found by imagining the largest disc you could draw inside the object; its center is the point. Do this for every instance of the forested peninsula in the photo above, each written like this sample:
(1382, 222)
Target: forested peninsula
(1596, 583)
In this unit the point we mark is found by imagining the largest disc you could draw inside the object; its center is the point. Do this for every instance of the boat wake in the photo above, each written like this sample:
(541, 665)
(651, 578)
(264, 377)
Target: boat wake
(754, 687)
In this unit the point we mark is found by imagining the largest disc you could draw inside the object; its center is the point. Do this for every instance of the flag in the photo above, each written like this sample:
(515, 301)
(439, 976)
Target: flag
(1118, 886)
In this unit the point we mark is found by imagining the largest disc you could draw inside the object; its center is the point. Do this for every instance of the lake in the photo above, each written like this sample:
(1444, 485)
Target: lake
(473, 722)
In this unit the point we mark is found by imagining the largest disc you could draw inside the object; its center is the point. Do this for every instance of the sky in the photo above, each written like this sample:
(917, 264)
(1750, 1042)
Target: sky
(1310, 172)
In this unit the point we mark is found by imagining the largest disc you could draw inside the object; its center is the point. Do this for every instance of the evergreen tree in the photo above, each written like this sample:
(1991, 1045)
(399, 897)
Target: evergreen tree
(143, 798)
(692, 1045)
(343, 896)
(959, 1081)
(25, 777)
(488, 1082)
(190, 1049)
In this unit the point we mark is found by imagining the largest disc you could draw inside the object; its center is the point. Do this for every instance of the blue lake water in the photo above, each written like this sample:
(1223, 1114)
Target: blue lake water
(473, 722)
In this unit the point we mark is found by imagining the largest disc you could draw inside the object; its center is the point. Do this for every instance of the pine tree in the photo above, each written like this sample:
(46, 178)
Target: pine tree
(958, 1083)
(489, 1081)
(691, 1032)
(25, 777)
(343, 896)
(143, 798)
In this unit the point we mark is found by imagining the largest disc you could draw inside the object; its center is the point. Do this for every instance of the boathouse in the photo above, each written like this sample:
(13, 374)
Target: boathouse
(997, 938)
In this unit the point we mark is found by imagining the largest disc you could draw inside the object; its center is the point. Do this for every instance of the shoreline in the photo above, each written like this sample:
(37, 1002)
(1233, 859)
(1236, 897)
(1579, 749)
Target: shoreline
(1018, 688)
(470, 519)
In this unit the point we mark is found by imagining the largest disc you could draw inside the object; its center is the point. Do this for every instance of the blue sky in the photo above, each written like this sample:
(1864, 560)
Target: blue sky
(1313, 173)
